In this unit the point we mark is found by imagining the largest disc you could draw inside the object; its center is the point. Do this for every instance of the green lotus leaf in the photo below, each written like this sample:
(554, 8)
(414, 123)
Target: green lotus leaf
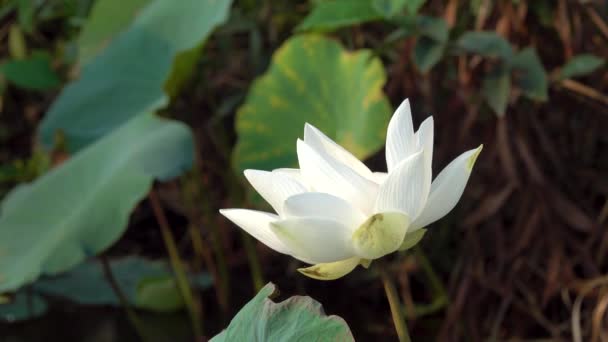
(82, 206)
(108, 18)
(295, 319)
(127, 77)
(312, 79)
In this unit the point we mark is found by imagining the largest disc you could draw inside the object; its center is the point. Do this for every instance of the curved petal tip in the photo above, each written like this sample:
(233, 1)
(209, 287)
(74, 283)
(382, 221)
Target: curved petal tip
(473, 158)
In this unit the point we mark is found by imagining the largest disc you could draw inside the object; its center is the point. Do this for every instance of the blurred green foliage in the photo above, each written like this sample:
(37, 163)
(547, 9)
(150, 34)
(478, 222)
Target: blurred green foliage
(34, 72)
(509, 70)
(433, 35)
(486, 44)
(581, 65)
(146, 284)
(332, 15)
(23, 306)
(128, 77)
(83, 204)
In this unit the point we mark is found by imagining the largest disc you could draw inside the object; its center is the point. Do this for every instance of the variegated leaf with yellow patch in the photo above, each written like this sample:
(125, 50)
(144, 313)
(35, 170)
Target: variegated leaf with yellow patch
(312, 79)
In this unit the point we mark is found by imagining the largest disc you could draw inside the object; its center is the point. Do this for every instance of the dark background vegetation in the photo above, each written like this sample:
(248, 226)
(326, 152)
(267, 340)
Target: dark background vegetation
(524, 255)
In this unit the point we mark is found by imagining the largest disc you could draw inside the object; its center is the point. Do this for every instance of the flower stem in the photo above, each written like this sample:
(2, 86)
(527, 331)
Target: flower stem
(194, 308)
(395, 304)
(131, 316)
(254, 262)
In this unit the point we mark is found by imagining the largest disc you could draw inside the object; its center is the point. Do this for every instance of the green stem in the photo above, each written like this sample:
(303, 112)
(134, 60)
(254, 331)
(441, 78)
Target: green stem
(131, 316)
(197, 246)
(257, 278)
(178, 267)
(254, 262)
(218, 269)
(395, 304)
(222, 266)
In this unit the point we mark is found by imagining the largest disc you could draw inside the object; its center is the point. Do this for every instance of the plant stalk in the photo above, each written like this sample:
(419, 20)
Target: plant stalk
(131, 316)
(183, 284)
(395, 304)
(222, 274)
(254, 262)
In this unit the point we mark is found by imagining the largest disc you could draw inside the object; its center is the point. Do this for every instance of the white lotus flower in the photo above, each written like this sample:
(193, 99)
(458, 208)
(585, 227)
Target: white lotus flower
(335, 213)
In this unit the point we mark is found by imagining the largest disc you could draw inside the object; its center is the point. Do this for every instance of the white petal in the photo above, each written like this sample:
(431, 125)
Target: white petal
(290, 172)
(315, 240)
(424, 137)
(407, 187)
(447, 188)
(380, 177)
(274, 187)
(326, 147)
(318, 204)
(335, 178)
(400, 139)
(257, 224)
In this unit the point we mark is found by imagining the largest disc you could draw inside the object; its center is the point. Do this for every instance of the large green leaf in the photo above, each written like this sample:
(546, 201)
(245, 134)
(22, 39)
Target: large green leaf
(295, 319)
(82, 206)
(496, 89)
(107, 19)
(530, 75)
(33, 73)
(127, 78)
(312, 79)
(486, 43)
(335, 14)
(581, 65)
(146, 284)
